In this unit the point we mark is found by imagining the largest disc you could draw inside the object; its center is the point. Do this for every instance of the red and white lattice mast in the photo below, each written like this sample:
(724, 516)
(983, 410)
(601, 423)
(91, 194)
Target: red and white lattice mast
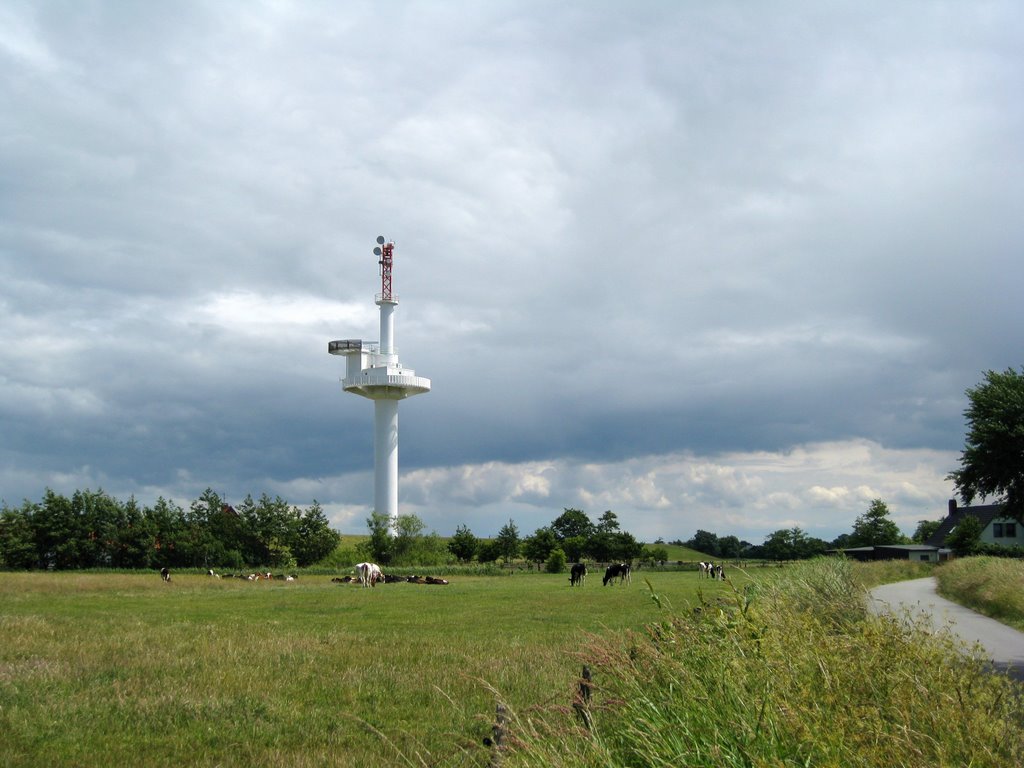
(373, 371)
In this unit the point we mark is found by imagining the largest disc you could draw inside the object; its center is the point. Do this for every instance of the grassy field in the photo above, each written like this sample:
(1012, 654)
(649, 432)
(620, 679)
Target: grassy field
(780, 667)
(123, 669)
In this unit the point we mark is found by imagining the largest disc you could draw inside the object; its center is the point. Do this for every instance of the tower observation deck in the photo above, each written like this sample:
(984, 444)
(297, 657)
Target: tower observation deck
(373, 371)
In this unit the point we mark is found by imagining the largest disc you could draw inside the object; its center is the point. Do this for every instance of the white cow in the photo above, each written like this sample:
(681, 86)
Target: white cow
(369, 574)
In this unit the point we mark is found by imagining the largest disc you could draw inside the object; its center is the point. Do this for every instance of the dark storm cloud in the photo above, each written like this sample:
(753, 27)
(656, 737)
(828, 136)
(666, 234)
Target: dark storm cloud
(705, 248)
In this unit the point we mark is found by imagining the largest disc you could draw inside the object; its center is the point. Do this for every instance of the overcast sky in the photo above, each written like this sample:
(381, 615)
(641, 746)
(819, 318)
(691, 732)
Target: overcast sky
(725, 266)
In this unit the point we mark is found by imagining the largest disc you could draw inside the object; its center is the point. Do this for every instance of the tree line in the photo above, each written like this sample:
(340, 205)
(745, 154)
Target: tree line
(870, 529)
(91, 529)
(571, 536)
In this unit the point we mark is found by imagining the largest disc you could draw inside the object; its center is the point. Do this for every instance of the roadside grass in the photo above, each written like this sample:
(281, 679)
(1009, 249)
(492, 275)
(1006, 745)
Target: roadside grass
(993, 586)
(876, 572)
(123, 669)
(790, 672)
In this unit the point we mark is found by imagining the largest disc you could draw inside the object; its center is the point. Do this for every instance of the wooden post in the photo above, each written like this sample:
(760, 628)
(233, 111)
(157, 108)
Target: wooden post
(582, 702)
(497, 736)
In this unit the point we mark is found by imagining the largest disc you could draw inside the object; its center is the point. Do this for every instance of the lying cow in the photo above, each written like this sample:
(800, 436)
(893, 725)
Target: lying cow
(578, 575)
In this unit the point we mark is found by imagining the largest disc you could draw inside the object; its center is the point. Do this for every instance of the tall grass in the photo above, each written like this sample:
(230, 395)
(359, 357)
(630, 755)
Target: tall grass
(792, 673)
(993, 586)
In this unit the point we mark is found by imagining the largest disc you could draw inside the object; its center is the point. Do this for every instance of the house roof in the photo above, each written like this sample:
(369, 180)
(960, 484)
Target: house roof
(985, 514)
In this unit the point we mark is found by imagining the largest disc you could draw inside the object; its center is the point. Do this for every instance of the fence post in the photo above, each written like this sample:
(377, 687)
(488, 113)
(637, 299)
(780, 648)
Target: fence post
(582, 702)
(497, 736)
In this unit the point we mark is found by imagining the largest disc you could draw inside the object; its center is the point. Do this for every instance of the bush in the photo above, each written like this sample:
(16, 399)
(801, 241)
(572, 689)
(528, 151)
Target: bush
(556, 562)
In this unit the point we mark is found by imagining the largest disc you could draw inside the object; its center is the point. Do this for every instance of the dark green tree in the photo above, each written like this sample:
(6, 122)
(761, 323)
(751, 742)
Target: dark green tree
(315, 538)
(792, 544)
(508, 542)
(574, 548)
(487, 551)
(992, 462)
(624, 547)
(965, 538)
(730, 546)
(408, 532)
(608, 522)
(572, 523)
(379, 547)
(925, 530)
(463, 544)
(874, 527)
(538, 547)
(17, 543)
(555, 562)
(704, 541)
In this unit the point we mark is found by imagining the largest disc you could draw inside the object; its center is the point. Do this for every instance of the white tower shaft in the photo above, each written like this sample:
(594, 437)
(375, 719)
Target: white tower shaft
(385, 457)
(373, 371)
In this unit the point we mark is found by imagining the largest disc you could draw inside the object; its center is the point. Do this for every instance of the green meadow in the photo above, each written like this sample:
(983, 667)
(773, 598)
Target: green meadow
(776, 667)
(123, 669)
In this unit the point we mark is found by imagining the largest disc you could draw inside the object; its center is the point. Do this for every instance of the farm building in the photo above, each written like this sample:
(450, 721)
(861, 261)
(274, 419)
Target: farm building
(995, 527)
(919, 552)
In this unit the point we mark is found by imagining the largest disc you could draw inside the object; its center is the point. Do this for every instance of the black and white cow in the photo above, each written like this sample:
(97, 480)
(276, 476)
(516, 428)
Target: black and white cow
(578, 575)
(617, 570)
(165, 574)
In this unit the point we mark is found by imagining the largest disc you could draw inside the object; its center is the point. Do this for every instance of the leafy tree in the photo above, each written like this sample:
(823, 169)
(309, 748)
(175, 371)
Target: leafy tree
(538, 548)
(507, 542)
(965, 538)
(408, 532)
(315, 538)
(574, 548)
(874, 527)
(656, 554)
(842, 541)
(608, 522)
(379, 547)
(925, 530)
(572, 523)
(990, 464)
(429, 550)
(487, 551)
(625, 547)
(792, 544)
(555, 561)
(133, 538)
(704, 541)
(17, 544)
(169, 524)
(601, 546)
(730, 546)
(463, 544)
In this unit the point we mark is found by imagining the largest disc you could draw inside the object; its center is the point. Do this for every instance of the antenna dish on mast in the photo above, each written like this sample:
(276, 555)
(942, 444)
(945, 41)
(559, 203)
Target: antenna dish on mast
(376, 251)
(380, 239)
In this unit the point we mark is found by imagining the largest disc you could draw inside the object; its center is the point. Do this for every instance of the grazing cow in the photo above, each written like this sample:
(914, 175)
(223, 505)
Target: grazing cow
(577, 575)
(165, 574)
(720, 572)
(617, 570)
(703, 570)
(369, 574)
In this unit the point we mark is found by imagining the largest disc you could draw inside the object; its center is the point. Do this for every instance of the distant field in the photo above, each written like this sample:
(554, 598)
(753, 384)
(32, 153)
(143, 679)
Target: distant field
(676, 553)
(122, 669)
